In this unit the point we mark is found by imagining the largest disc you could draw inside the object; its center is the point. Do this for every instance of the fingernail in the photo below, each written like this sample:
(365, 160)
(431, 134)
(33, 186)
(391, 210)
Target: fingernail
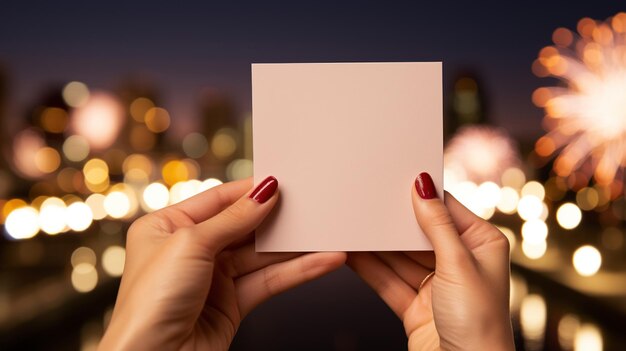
(425, 186)
(265, 190)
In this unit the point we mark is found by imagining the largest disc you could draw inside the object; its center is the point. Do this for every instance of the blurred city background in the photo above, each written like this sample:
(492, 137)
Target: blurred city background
(112, 110)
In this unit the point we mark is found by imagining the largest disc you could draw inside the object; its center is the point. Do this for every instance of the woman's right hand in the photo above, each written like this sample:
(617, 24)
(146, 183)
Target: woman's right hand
(464, 305)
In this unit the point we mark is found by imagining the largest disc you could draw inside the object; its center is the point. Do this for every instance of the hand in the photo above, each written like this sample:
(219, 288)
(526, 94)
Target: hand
(192, 272)
(465, 304)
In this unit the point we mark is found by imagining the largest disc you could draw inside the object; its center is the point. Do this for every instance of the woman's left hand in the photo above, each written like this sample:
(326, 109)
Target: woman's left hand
(192, 272)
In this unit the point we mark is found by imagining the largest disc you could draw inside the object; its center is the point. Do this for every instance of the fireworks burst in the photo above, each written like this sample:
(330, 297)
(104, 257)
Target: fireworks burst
(480, 154)
(585, 118)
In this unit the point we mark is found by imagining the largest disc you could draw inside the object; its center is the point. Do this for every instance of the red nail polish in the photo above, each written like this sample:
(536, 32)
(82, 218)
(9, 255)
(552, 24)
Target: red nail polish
(265, 190)
(425, 186)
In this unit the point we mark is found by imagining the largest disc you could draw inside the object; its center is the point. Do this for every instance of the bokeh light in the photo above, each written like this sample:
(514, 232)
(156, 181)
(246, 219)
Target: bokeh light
(75, 94)
(96, 204)
(209, 183)
(195, 145)
(533, 188)
(533, 319)
(587, 260)
(513, 177)
(568, 215)
(155, 196)
(239, 169)
(83, 255)
(588, 338)
(139, 107)
(157, 119)
(84, 277)
(22, 223)
(79, 216)
(76, 148)
(99, 120)
(224, 143)
(488, 194)
(53, 216)
(54, 120)
(26, 144)
(567, 329)
(96, 173)
(534, 231)
(509, 199)
(113, 259)
(175, 171)
(117, 204)
(529, 207)
(183, 190)
(47, 160)
(534, 250)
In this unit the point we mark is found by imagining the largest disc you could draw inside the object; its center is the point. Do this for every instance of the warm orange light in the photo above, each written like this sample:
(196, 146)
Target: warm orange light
(174, 171)
(47, 160)
(157, 119)
(54, 120)
(562, 37)
(139, 107)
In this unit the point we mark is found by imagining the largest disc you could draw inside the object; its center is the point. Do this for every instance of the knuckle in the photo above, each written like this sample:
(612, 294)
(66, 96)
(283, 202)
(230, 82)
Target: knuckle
(137, 227)
(500, 241)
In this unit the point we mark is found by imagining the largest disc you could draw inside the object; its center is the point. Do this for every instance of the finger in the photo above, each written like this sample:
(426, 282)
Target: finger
(239, 219)
(410, 271)
(245, 260)
(475, 231)
(386, 283)
(435, 220)
(256, 287)
(463, 218)
(425, 258)
(210, 202)
(486, 242)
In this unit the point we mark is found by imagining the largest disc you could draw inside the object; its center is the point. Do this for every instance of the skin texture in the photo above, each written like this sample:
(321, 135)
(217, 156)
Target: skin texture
(465, 304)
(192, 273)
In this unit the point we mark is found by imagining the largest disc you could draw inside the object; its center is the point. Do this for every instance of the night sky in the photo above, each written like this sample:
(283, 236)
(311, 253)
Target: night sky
(183, 48)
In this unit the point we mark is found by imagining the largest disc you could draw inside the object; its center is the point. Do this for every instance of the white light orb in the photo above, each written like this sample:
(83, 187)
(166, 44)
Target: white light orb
(488, 194)
(569, 215)
(209, 183)
(529, 207)
(79, 216)
(508, 200)
(588, 338)
(113, 260)
(534, 231)
(22, 223)
(156, 196)
(534, 251)
(117, 204)
(587, 260)
(53, 216)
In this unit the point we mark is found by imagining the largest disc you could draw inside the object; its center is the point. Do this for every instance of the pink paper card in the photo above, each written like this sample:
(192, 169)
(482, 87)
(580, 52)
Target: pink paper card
(346, 141)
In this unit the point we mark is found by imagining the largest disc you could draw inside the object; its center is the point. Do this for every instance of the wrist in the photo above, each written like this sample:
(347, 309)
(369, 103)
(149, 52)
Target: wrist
(128, 334)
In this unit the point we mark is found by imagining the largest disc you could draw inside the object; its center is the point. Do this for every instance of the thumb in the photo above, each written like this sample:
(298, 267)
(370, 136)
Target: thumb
(239, 219)
(433, 217)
